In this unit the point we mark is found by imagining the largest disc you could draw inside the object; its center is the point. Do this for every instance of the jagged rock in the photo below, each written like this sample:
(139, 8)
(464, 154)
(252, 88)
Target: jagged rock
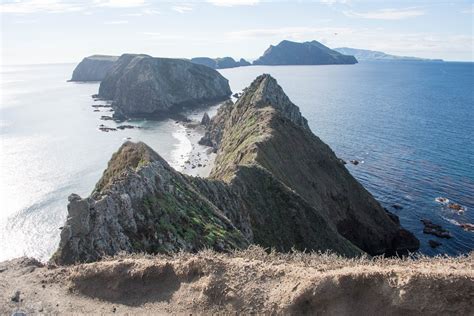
(307, 53)
(274, 183)
(397, 206)
(264, 128)
(141, 204)
(434, 243)
(93, 68)
(205, 119)
(435, 229)
(143, 86)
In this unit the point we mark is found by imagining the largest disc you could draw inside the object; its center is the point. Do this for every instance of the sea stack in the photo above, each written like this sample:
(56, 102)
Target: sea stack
(144, 86)
(93, 68)
(307, 53)
(274, 183)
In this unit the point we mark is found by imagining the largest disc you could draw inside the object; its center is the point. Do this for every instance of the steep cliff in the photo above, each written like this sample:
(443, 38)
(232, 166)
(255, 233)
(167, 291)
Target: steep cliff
(93, 68)
(274, 184)
(307, 53)
(265, 129)
(143, 86)
(141, 204)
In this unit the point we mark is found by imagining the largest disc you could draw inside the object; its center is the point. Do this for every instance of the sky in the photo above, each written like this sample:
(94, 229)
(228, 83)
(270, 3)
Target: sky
(55, 31)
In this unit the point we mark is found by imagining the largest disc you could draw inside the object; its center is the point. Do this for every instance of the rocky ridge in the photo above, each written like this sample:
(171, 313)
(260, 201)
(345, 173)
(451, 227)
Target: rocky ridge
(144, 86)
(274, 184)
(93, 68)
(306, 53)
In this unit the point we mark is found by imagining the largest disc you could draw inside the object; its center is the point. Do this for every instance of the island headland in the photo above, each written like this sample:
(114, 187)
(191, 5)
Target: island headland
(144, 86)
(306, 53)
(93, 68)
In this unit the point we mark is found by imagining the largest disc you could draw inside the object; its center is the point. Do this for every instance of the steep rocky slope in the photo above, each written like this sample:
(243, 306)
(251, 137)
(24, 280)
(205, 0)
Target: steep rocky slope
(220, 63)
(273, 183)
(93, 68)
(144, 86)
(265, 129)
(245, 282)
(306, 53)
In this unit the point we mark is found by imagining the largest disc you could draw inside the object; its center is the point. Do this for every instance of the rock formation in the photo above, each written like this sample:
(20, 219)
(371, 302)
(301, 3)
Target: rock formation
(371, 55)
(220, 63)
(93, 68)
(274, 183)
(143, 86)
(307, 53)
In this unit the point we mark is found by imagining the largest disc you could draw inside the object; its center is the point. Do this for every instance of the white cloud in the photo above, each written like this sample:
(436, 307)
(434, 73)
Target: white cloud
(116, 22)
(31, 6)
(120, 3)
(291, 33)
(468, 11)
(181, 8)
(160, 36)
(232, 3)
(386, 14)
(331, 2)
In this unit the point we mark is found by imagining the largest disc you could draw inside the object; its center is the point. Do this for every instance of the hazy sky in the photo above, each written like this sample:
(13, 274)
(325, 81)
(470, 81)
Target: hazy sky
(45, 31)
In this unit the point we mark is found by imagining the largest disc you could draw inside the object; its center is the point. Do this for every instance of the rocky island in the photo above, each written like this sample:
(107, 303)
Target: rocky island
(220, 63)
(93, 68)
(145, 86)
(306, 53)
(371, 55)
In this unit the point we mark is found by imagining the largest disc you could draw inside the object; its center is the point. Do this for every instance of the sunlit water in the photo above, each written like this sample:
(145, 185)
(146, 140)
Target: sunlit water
(411, 124)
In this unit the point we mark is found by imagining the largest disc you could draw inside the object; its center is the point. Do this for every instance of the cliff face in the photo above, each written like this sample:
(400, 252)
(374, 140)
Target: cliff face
(307, 53)
(220, 63)
(274, 184)
(93, 68)
(143, 86)
(141, 204)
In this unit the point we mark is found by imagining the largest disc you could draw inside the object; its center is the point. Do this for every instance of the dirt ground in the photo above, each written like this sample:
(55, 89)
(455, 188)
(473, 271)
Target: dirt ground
(249, 281)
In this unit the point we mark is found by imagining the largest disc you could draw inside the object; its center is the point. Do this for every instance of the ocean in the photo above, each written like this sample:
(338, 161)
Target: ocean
(410, 124)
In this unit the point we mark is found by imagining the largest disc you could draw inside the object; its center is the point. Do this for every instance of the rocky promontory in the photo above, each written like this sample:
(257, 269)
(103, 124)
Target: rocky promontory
(274, 183)
(93, 68)
(306, 53)
(220, 63)
(144, 86)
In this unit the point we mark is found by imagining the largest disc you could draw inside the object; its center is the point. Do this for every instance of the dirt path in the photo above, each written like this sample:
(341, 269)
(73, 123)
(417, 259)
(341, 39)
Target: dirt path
(245, 282)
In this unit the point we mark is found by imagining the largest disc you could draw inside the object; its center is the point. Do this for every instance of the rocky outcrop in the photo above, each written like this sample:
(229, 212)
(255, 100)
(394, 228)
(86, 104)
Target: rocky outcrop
(143, 86)
(274, 184)
(371, 55)
(220, 63)
(307, 53)
(141, 204)
(265, 129)
(93, 68)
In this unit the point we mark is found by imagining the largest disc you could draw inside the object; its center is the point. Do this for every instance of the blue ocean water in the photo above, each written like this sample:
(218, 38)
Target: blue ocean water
(412, 125)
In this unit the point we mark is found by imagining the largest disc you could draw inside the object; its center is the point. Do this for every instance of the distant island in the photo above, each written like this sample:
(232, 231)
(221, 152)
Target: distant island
(306, 53)
(93, 68)
(220, 63)
(367, 55)
(145, 86)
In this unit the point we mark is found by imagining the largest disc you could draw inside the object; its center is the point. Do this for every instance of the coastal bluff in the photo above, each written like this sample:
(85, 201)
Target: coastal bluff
(93, 68)
(147, 87)
(274, 184)
(306, 53)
